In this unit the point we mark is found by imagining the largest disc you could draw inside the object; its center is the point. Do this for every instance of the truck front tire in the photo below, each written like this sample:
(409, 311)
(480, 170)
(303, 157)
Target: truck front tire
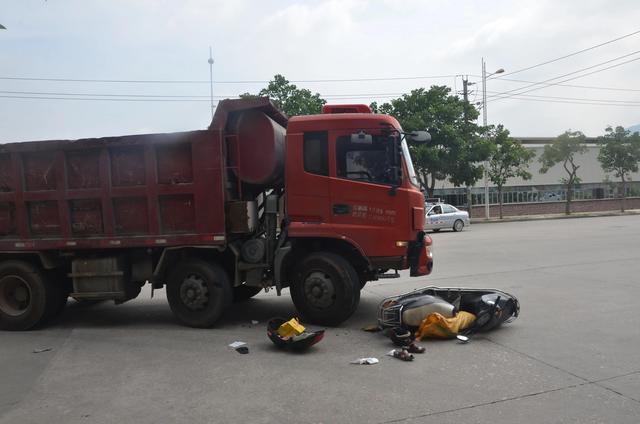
(27, 297)
(198, 293)
(325, 288)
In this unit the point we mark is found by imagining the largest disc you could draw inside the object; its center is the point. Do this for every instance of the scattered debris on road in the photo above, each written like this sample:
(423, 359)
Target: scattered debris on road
(404, 338)
(402, 354)
(46, 349)
(462, 339)
(365, 361)
(240, 347)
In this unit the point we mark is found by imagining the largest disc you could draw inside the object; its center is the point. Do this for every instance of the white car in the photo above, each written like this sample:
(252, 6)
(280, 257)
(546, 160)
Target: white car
(443, 215)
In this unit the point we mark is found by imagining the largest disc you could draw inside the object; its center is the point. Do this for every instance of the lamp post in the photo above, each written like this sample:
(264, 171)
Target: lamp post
(210, 61)
(484, 123)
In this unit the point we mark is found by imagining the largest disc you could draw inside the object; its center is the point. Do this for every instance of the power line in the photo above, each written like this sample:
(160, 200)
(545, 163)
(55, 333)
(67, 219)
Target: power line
(514, 97)
(102, 99)
(573, 78)
(222, 82)
(542, 99)
(125, 97)
(567, 74)
(227, 96)
(590, 87)
(575, 98)
(568, 55)
(573, 72)
(107, 95)
(44, 96)
(222, 96)
(186, 98)
(298, 81)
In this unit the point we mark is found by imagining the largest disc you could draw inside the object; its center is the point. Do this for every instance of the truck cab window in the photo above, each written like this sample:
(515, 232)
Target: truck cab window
(316, 153)
(365, 162)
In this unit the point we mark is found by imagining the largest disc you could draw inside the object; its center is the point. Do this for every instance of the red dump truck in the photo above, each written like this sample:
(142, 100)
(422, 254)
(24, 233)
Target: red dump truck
(320, 204)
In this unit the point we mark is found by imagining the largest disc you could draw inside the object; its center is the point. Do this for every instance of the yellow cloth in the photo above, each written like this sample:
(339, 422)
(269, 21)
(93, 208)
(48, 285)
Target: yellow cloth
(291, 328)
(437, 326)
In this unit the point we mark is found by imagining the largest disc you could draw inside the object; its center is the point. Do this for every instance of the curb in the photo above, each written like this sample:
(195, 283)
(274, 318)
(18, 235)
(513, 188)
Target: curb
(555, 216)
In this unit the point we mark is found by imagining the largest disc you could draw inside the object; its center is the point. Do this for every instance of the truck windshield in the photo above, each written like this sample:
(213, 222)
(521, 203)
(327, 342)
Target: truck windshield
(409, 163)
(365, 162)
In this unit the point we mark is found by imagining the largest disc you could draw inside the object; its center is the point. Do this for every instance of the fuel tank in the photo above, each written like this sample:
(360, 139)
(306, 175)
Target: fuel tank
(259, 151)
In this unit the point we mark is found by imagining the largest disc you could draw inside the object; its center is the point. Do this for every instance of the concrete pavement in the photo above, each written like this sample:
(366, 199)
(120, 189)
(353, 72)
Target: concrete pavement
(570, 357)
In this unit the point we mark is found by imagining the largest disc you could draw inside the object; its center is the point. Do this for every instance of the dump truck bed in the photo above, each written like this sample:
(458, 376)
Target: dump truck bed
(130, 191)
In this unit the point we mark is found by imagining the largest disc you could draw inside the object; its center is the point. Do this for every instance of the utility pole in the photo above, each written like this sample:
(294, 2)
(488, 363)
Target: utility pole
(485, 177)
(465, 96)
(211, 79)
(484, 123)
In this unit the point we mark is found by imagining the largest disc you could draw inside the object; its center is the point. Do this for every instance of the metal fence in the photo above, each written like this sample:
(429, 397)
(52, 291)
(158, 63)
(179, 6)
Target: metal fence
(531, 194)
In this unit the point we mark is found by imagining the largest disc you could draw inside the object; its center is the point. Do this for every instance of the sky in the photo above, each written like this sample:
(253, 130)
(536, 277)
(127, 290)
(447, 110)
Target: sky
(400, 44)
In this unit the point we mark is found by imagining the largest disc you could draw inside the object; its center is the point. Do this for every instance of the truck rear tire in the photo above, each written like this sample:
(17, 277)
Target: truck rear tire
(198, 293)
(27, 297)
(244, 292)
(325, 288)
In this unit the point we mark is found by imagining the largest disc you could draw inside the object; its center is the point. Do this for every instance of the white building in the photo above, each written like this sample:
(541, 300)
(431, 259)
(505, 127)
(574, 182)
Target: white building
(595, 183)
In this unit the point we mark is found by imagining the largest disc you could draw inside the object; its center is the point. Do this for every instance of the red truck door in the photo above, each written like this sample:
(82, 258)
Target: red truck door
(308, 180)
(364, 205)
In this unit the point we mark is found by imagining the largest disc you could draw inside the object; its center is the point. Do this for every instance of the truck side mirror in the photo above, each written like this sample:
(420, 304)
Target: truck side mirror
(419, 136)
(397, 160)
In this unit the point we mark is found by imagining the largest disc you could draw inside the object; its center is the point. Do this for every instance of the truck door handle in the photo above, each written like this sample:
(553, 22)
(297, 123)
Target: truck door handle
(341, 209)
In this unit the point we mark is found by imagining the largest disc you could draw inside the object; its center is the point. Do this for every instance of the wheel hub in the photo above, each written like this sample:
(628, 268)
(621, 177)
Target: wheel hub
(319, 290)
(194, 293)
(15, 295)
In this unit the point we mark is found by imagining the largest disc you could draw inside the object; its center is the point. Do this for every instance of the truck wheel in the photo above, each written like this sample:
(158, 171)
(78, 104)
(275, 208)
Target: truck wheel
(27, 298)
(244, 292)
(198, 293)
(325, 288)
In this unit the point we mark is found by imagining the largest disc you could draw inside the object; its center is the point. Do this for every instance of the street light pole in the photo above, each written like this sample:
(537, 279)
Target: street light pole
(211, 79)
(484, 123)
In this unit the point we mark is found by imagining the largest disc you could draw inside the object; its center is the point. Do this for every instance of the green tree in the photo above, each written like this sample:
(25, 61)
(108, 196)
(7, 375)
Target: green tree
(563, 150)
(455, 149)
(289, 98)
(509, 159)
(620, 154)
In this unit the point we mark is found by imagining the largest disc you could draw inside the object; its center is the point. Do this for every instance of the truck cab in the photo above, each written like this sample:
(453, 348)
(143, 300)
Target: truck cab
(351, 186)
